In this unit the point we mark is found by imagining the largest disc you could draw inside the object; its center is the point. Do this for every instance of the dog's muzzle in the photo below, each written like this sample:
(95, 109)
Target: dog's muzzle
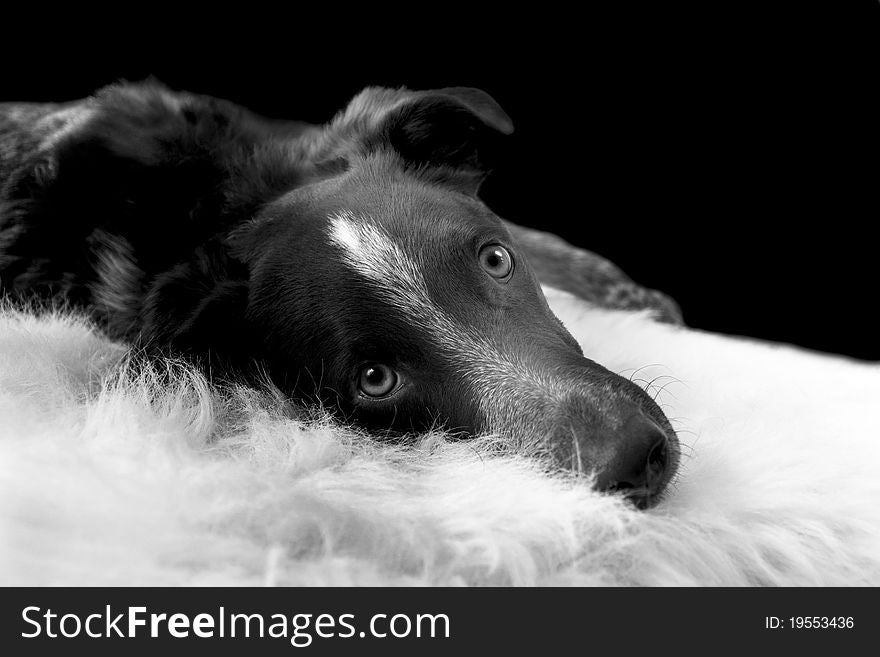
(643, 464)
(625, 446)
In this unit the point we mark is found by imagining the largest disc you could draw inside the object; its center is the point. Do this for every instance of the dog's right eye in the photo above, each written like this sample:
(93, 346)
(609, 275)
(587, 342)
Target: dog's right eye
(496, 261)
(377, 380)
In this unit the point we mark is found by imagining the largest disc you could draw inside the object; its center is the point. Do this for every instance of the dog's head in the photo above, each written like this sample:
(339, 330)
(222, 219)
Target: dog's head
(392, 293)
(354, 261)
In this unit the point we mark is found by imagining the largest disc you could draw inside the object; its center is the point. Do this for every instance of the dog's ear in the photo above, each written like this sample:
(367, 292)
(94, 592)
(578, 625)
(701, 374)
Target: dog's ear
(198, 307)
(455, 133)
(457, 127)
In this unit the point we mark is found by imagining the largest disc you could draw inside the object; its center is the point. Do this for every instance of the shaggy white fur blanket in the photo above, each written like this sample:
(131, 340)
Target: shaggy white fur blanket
(110, 474)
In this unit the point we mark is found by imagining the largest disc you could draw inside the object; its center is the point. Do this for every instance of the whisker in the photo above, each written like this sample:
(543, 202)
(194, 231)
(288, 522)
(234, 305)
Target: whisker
(577, 452)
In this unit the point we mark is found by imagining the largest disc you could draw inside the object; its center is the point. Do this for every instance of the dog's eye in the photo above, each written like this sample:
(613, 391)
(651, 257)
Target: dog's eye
(496, 260)
(377, 380)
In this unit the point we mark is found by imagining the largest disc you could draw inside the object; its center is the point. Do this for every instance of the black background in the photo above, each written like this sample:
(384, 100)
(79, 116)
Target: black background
(722, 152)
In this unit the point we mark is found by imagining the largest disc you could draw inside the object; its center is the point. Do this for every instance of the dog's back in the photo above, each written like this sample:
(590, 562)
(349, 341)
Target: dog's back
(101, 197)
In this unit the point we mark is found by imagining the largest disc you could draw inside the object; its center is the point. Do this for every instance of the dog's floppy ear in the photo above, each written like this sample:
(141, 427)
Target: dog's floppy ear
(457, 127)
(454, 132)
(198, 307)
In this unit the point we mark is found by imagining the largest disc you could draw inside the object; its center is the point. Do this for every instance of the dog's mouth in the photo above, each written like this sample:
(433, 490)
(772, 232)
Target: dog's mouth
(608, 428)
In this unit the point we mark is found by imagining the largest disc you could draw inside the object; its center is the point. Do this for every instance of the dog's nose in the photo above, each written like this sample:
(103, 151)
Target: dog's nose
(640, 465)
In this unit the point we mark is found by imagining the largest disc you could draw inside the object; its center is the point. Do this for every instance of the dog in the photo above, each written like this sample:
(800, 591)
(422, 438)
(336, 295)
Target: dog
(353, 263)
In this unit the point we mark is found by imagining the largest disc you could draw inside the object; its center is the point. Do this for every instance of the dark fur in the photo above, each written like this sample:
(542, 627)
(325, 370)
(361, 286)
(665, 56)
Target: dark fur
(187, 223)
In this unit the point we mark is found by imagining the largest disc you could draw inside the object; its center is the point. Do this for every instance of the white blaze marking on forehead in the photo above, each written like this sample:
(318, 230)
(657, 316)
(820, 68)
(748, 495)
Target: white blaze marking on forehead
(376, 257)
(58, 125)
(506, 387)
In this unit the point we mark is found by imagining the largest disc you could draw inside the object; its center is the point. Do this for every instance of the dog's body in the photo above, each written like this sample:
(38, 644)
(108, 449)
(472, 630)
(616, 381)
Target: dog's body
(353, 262)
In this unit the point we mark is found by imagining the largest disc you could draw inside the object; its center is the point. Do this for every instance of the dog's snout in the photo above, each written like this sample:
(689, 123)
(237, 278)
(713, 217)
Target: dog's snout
(626, 446)
(640, 466)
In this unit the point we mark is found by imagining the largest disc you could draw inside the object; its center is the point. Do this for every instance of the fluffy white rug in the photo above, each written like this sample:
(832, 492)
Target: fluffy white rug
(111, 475)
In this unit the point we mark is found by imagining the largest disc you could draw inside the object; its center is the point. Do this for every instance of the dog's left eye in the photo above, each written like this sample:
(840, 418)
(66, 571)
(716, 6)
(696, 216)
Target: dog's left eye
(496, 260)
(377, 380)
